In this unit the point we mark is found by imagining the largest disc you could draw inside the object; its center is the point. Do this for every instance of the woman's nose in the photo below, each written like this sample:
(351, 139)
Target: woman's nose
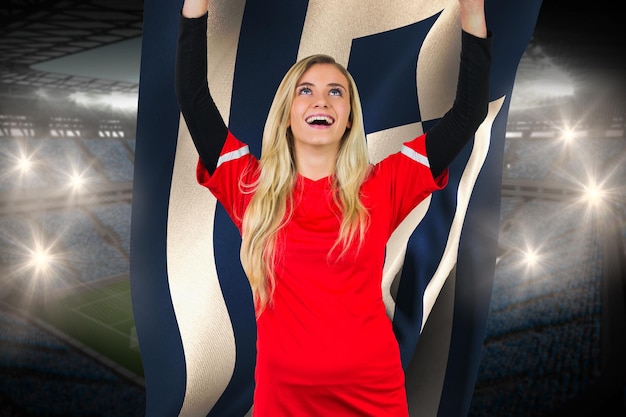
(321, 102)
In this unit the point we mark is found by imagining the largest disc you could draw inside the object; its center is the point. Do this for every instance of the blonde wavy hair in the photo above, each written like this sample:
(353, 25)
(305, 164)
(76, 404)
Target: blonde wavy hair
(270, 207)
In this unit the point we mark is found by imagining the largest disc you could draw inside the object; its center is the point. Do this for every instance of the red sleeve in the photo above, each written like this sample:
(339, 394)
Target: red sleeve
(405, 179)
(236, 170)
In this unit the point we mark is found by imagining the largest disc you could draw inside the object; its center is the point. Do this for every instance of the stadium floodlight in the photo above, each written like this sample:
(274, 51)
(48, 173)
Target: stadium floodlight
(547, 83)
(121, 101)
(24, 164)
(44, 269)
(593, 194)
(531, 258)
(526, 254)
(568, 135)
(553, 82)
(77, 181)
(80, 98)
(40, 260)
(598, 193)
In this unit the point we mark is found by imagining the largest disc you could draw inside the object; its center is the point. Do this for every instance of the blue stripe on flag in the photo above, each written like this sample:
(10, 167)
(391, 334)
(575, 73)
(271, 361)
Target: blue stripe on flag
(157, 129)
(384, 66)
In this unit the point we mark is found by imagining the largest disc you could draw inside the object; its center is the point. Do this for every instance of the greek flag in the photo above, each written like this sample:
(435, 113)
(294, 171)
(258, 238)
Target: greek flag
(192, 302)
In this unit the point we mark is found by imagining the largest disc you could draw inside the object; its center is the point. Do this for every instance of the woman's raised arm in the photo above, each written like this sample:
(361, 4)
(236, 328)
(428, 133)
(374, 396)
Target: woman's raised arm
(446, 138)
(203, 119)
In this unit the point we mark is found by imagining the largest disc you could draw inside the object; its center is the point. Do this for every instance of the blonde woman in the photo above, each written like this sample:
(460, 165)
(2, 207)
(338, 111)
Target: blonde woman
(315, 217)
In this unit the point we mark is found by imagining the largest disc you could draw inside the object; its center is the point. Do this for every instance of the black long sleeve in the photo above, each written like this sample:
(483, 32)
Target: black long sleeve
(447, 137)
(205, 123)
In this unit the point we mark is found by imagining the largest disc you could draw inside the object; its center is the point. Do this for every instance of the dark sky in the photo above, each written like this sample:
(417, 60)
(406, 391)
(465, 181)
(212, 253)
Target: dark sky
(587, 37)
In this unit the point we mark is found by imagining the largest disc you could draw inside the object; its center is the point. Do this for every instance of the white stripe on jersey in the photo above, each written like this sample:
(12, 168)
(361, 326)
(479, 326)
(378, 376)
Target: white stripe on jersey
(232, 155)
(417, 157)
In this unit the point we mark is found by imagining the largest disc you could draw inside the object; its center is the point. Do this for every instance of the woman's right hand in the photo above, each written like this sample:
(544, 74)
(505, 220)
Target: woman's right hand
(473, 17)
(195, 8)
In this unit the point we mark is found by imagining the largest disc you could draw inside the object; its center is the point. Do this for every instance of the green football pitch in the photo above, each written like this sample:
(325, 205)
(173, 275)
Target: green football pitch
(99, 318)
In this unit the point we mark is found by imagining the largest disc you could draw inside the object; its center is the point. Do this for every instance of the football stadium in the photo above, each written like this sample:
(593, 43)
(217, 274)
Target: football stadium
(69, 84)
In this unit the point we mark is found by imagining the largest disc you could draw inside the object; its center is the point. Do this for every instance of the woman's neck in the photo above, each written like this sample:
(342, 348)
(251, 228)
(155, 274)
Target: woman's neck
(315, 163)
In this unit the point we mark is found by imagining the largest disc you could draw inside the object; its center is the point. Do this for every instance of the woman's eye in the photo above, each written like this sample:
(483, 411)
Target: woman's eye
(304, 91)
(336, 92)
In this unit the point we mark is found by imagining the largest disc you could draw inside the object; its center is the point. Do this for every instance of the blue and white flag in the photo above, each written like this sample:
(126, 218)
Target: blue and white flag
(192, 302)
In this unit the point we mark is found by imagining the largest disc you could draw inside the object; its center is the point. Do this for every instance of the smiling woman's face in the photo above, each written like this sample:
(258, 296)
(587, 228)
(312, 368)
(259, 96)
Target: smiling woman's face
(320, 110)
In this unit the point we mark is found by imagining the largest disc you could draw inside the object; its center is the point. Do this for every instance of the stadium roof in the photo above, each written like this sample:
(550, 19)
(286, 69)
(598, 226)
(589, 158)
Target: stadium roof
(68, 43)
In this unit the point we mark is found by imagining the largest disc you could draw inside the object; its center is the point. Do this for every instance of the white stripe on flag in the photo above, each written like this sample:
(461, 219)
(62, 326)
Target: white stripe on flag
(482, 140)
(201, 313)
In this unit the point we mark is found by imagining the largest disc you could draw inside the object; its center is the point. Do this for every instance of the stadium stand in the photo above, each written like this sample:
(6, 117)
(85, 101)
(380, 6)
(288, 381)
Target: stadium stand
(42, 374)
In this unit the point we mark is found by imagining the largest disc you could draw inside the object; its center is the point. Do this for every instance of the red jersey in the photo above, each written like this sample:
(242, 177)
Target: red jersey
(325, 345)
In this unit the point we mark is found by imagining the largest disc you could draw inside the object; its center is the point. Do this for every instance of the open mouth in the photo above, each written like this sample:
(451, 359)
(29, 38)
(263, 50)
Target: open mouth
(320, 120)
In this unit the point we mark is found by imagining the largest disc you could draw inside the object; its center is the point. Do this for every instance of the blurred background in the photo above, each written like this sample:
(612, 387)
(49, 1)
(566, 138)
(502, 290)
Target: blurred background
(69, 74)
